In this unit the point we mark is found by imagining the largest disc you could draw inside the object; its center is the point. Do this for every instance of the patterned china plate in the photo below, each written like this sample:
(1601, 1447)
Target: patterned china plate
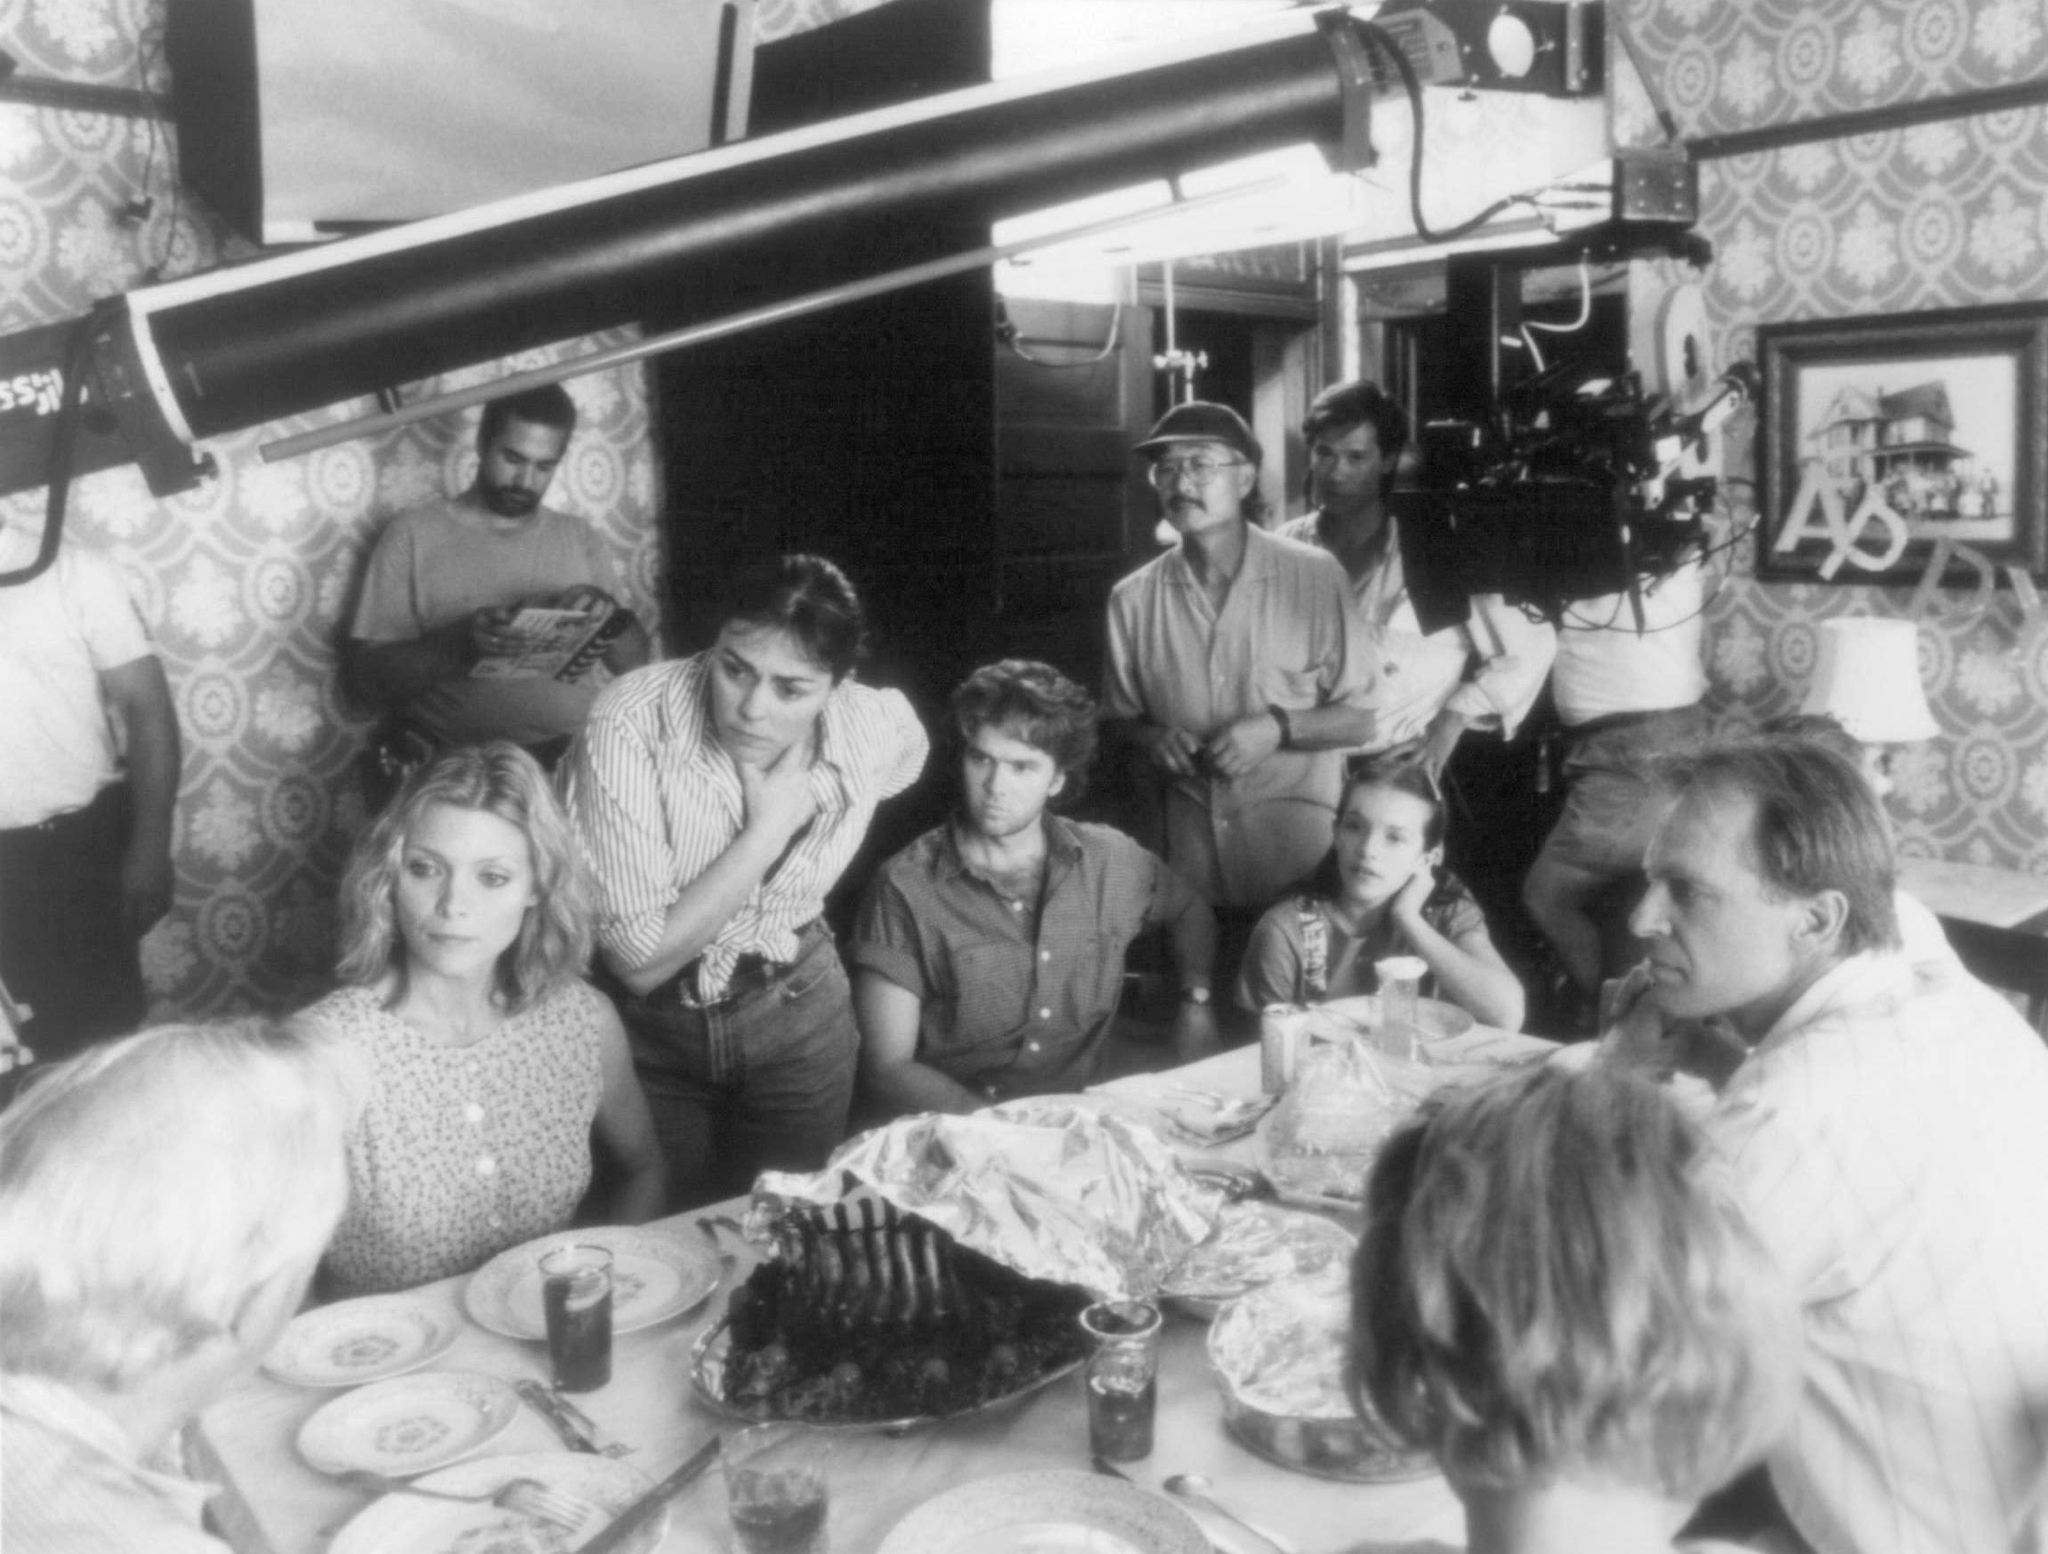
(421, 1526)
(354, 1341)
(1052, 1511)
(654, 1277)
(408, 1424)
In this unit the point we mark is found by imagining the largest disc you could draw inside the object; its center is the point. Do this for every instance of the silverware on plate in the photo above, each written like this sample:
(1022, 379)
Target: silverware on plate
(648, 1506)
(578, 1431)
(522, 1496)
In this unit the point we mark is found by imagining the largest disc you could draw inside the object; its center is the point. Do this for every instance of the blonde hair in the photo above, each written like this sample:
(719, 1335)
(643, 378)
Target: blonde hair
(151, 1187)
(499, 779)
(1550, 1286)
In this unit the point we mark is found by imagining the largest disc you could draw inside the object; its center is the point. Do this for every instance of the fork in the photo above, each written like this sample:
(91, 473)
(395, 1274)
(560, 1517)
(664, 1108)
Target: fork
(522, 1496)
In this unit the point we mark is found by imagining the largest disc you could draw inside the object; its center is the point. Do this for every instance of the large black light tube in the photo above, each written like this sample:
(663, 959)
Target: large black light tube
(700, 236)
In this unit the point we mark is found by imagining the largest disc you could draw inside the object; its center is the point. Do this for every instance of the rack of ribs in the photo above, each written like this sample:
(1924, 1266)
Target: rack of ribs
(876, 1315)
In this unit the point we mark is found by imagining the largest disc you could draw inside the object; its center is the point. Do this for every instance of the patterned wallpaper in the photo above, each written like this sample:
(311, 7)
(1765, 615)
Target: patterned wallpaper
(1948, 214)
(246, 581)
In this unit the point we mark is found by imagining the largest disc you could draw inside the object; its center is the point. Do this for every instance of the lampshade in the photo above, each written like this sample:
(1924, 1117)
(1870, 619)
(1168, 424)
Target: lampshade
(1867, 677)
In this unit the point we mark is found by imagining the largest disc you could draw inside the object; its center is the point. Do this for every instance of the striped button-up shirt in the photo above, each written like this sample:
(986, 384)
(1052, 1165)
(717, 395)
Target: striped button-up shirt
(1889, 1138)
(657, 800)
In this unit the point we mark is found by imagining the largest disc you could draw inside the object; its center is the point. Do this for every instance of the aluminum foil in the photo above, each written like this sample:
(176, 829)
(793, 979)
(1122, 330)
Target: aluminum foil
(1056, 1188)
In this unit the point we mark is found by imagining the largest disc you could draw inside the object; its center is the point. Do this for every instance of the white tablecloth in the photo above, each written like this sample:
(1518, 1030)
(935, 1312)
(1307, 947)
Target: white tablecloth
(272, 1503)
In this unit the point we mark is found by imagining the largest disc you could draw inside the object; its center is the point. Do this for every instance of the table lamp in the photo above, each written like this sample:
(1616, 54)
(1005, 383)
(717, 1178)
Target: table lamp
(1867, 678)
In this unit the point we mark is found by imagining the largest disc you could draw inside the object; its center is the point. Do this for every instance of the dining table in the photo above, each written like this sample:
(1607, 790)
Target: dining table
(270, 1501)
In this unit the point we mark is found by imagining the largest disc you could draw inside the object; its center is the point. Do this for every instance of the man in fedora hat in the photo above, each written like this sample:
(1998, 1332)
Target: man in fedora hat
(1237, 671)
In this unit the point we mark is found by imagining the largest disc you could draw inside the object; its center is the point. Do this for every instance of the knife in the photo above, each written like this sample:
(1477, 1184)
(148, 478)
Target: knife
(599, 1436)
(549, 1407)
(648, 1506)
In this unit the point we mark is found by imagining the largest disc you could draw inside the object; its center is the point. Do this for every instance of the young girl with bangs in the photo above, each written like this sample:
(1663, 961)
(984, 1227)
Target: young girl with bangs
(1381, 891)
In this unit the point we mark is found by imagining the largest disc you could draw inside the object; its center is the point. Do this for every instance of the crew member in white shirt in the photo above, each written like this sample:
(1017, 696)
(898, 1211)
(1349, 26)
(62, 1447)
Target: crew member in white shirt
(1627, 684)
(89, 763)
(1884, 1129)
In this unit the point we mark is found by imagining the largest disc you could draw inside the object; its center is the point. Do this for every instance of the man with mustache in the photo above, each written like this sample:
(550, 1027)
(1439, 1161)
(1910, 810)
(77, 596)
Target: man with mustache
(1881, 1120)
(1239, 672)
(445, 581)
(989, 957)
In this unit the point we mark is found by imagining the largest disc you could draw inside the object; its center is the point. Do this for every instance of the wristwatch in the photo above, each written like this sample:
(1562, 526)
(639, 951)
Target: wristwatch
(1279, 715)
(1194, 995)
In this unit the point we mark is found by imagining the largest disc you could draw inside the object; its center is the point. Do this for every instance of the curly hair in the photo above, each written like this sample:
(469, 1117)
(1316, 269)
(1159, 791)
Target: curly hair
(1037, 704)
(1551, 1285)
(498, 779)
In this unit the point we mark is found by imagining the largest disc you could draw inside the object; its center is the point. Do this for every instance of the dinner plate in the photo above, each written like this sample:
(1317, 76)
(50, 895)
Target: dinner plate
(707, 1379)
(408, 1424)
(422, 1526)
(654, 1277)
(354, 1341)
(1051, 1511)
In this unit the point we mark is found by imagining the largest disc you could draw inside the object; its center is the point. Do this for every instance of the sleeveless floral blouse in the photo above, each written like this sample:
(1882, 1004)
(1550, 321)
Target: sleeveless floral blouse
(461, 1152)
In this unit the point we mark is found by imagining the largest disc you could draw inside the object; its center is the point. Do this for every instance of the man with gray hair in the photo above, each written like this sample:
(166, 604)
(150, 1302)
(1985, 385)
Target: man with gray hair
(163, 1202)
(1883, 1126)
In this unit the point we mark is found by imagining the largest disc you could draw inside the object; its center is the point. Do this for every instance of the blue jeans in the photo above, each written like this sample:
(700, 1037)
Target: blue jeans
(759, 1082)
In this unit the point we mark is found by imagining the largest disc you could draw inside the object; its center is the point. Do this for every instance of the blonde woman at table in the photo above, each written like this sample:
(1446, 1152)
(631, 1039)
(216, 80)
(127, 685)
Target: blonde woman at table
(163, 1201)
(1555, 1298)
(492, 1066)
(1380, 891)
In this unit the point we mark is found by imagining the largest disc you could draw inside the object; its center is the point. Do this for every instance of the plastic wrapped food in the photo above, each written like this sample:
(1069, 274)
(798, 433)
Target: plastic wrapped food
(1057, 1189)
(1253, 1245)
(1320, 1141)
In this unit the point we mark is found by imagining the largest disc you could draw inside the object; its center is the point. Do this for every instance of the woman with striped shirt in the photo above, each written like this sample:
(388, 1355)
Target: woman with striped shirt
(720, 797)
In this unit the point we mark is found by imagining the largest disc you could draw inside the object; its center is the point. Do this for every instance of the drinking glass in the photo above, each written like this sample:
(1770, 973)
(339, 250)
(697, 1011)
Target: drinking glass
(1122, 1374)
(776, 1490)
(576, 1298)
(1401, 1004)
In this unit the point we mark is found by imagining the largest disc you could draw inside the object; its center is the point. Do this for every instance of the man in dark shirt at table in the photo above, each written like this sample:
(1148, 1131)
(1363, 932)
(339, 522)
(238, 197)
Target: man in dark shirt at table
(989, 954)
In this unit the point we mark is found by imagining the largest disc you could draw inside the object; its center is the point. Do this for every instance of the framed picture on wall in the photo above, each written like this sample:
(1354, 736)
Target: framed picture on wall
(1882, 436)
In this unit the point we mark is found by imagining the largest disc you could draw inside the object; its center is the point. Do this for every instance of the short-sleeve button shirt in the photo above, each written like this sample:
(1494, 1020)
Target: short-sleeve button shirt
(1011, 1007)
(1285, 636)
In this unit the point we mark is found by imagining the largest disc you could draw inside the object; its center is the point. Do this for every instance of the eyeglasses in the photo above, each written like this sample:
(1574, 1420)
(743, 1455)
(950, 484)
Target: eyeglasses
(1166, 474)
